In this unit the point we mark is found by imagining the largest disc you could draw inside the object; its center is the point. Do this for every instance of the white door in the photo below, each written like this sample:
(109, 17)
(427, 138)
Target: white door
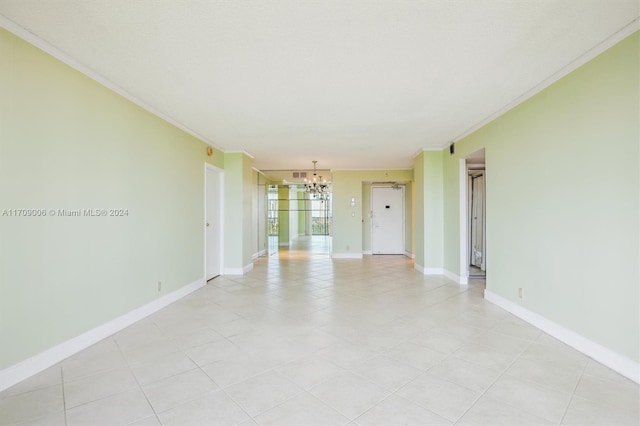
(213, 222)
(387, 220)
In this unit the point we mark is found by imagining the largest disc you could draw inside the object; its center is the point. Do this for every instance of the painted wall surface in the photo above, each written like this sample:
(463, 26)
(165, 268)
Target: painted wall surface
(283, 216)
(429, 235)
(348, 220)
(563, 196)
(239, 205)
(68, 143)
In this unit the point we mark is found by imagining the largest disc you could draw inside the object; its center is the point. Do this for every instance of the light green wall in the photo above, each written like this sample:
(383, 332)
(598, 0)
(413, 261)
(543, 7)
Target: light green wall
(67, 142)
(238, 216)
(429, 236)
(283, 215)
(563, 195)
(348, 220)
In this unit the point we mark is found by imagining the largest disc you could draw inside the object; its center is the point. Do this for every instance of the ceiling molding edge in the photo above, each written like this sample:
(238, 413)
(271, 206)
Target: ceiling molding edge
(585, 57)
(48, 48)
(242, 151)
(389, 169)
(421, 150)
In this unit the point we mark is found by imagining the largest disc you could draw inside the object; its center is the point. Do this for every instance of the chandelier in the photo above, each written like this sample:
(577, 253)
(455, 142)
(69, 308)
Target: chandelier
(317, 187)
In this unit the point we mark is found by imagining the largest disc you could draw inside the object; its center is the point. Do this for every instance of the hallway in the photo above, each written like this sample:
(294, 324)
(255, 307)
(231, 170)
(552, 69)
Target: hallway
(304, 339)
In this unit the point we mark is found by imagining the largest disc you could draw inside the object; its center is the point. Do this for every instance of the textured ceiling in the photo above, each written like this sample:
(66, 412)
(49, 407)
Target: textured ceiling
(352, 84)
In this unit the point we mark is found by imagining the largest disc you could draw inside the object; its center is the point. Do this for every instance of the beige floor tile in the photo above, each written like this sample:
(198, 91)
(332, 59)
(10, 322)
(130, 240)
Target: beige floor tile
(147, 421)
(463, 373)
(302, 409)
(545, 372)
(100, 357)
(31, 405)
(416, 356)
(260, 393)
(215, 408)
(96, 386)
(349, 394)
(444, 398)
(346, 355)
(160, 367)
(308, 371)
(212, 352)
(439, 341)
(235, 369)
(47, 378)
(583, 412)
(53, 419)
(398, 411)
(387, 372)
(533, 398)
(172, 391)
(123, 408)
(620, 396)
(489, 412)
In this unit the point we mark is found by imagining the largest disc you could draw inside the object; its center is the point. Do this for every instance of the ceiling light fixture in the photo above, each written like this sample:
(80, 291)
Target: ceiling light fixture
(316, 187)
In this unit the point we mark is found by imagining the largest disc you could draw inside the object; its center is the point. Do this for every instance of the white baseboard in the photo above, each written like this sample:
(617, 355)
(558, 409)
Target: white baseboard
(40, 362)
(238, 271)
(615, 361)
(258, 254)
(409, 255)
(367, 252)
(346, 255)
(455, 277)
(283, 244)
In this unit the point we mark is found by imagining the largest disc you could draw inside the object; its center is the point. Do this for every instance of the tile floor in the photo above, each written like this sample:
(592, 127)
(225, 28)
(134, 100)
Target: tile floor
(306, 340)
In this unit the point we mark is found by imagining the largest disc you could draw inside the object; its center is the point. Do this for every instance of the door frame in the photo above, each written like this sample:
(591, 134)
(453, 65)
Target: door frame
(463, 203)
(403, 187)
(209, 168)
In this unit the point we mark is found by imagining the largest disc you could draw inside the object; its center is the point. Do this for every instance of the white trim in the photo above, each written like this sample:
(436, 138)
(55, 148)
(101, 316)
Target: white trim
(585, 57)
(418, 268)
(242, 151)
(392, 169)
(258, 254)
(346, 255)
(367, 252)
(63, 57)
(615, 361)
(433, 271)
(409, 255)
(283, 244)
(238, 271)
(49, 357)
(455, 277)
(421, 150)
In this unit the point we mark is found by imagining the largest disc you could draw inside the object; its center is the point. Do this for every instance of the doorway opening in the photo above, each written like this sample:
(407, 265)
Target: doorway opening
(473, 246)
(213, 221)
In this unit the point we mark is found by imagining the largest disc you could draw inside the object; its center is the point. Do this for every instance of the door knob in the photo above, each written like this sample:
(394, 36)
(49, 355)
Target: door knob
(207, 223)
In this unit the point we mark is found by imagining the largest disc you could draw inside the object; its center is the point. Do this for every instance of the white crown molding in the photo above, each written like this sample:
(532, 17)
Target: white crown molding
(615, 361)
(421, 150)
(40, 362)
(242, 151)
(585, 57)
(373, 170)
(46, 47)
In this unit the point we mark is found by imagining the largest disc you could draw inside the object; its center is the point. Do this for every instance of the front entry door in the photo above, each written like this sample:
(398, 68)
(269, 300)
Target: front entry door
(387, 220)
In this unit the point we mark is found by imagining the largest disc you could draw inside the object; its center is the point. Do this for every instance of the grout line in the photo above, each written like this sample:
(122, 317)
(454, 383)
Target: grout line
(573, 394)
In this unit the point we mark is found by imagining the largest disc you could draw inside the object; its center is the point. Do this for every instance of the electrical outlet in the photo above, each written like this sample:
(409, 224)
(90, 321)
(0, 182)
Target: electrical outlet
(159, 286)
(521, 293)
